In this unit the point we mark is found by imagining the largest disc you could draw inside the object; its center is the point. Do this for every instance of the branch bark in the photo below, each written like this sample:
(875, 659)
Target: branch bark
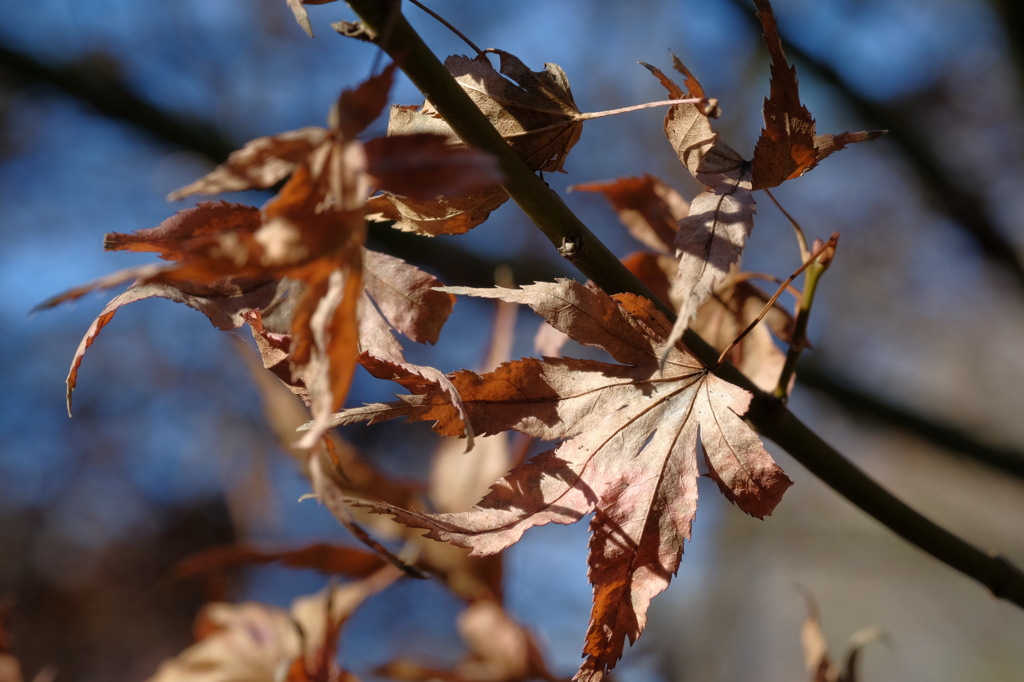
(768, 416)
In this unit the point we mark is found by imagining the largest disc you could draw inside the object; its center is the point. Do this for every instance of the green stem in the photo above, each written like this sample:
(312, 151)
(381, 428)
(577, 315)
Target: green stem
(799, 338)
(768, 415)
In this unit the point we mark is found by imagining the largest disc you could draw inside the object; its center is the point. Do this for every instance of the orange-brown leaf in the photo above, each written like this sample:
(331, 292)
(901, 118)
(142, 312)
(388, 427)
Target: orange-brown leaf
(628, 454)
(330, 559)
(171, 239)
(533, 110)
(425, 165)
(648, 208)
(788, 146)
(261, 163)
(728, 311)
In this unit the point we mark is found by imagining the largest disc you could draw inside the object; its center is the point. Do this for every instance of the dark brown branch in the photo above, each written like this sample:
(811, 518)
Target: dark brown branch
(112, 97)
(956, 441)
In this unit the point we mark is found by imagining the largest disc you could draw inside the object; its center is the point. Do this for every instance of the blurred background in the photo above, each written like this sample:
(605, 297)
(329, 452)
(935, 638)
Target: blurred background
(108, 105)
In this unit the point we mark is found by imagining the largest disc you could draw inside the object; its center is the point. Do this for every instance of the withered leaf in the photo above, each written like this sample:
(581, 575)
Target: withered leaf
(788, 146)
(688, 129)
(261, 163)
(711, 238)
(406, 296)
(445, 215)
(533, 110)
(311, 234)
(323, 557)
(499, 650)
(820, 667)
(425, 165)
(648, 208)
(727, 312)
(224, 303)
(628, 454)
(253, 642)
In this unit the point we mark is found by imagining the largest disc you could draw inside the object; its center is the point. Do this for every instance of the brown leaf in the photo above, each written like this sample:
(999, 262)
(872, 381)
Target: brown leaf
(688, 129)
(330, 559)
(788, 146)
(629, 437)
(171, 239)
(820, 667)
(728, 311)
(223, 302)
(252, 642)
(533, 110)
(443, 215)
(312, 233)
(406, 296)
(648, 208)
(425, 165)
(711, 238)
(243, 643)
(261, 163)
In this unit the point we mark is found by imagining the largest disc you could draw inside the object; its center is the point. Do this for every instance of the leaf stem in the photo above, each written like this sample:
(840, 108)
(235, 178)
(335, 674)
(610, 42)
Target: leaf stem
(767, 414)
(808, 263)
(647, 105)
(815, 265)
(444, 22)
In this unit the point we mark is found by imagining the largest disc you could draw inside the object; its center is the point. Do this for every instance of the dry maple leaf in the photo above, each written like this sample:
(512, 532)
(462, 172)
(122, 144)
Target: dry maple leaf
(650, 210)
(299, 261)
(252, 642)
(628, 455)
(648, 207)
(711, 238)
(788, 147)
(533, 110)
(499, 650)
(820, 667)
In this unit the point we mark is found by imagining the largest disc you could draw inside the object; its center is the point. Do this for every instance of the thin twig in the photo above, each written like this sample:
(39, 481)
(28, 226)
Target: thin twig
(447, 25)
(798, 341)
(800, 237)
(768, 306)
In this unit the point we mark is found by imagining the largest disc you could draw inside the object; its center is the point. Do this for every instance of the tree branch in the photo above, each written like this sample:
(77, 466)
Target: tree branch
(767, 415)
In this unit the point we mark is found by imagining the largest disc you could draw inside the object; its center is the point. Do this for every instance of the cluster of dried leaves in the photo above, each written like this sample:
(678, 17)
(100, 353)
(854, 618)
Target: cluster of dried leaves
(319, 304)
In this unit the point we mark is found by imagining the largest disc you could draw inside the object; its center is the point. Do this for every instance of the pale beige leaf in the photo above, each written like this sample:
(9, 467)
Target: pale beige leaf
(249, 642)
(261, 163)
(629, 436)
(710, 240)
